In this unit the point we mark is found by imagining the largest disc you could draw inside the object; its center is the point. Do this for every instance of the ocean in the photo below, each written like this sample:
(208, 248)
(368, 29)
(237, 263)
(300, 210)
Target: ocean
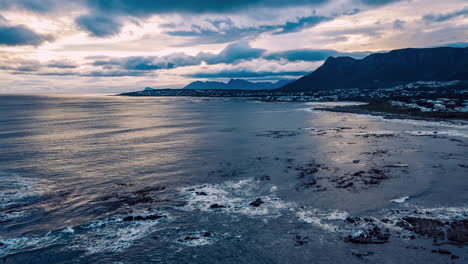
(112, 179)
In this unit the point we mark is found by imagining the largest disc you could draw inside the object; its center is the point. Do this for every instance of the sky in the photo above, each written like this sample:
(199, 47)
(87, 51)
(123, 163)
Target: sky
(107, 46)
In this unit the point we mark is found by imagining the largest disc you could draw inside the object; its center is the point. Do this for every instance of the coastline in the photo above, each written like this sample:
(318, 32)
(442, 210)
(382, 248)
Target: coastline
(396, 112)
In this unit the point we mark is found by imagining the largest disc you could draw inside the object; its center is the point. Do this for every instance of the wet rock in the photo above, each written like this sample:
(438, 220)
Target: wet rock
(397, 165)
(458, 232)
(1, 244)
(128, 218)
(142, 218)
(358, 174)
(190, 238)
(214, 206)
(154, 217)
(371, 236)
(300, 240)
(356, 161)
(257, 202)
(441, 251)
(145, 191)
(352, 219)
(362, 255)
(424, 227)
(201, 193)
(345, 185)
(206, 234)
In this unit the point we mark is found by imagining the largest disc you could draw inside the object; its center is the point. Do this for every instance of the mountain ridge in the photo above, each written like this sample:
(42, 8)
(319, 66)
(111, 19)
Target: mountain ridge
(386, 69)
(236, 84)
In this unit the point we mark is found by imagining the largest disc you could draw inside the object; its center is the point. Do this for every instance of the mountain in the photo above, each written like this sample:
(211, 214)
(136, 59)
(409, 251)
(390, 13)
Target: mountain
(386, 69)
(237, 84)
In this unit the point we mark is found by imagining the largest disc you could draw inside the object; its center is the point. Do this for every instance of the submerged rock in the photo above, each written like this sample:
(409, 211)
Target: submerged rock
(257, 202)
(458, 232)
(214, 206)
(442, 251)
(142, 218)
(371, 236)
(424, 227)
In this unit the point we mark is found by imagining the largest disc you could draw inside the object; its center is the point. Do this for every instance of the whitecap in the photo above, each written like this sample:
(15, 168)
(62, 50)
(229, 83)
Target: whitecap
(400, 200)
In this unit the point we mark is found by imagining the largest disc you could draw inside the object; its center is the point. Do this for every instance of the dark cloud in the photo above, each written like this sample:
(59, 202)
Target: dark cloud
(302, 23)
(447, 16)
(224, 30)
(244, 74)
(40, 6)
(301, 55)
(21, 35)
(378, 2)
(233, 53)
(310, 55)
(61, 64)
(149, 7)
(399, 24)
(99, 25)
(114, 73)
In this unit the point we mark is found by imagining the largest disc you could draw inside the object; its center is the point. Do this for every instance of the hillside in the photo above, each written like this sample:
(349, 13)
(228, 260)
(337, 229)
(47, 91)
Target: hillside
(386, 69)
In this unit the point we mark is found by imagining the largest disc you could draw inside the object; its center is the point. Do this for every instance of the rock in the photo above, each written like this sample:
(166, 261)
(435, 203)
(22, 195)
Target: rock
(142, 218)
(425, 227)
(189, 238)
(398, 165)
(153, 217)
(300, 240)
(346, 186)
(356, 161)
(257, 202)
(128, 218)
(458, 232)
(371, 236)
(1, 244)
(214, 206)
(442, 251)
(207, 234)
(362, 255)
(352, 219)
(201, 193)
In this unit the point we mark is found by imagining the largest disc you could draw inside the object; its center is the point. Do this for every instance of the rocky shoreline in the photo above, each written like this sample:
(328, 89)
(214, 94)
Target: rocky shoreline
(392, 112)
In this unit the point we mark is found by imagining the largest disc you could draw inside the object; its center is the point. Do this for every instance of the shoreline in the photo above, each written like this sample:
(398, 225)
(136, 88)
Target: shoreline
(396, 113)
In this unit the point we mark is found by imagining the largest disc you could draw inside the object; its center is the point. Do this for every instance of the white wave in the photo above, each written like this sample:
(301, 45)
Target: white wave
(400, 200)
(113, 234)
(12, 245)
(326, 220)
(197, 239)
(235, 197)
(451, 133)
(16, 190)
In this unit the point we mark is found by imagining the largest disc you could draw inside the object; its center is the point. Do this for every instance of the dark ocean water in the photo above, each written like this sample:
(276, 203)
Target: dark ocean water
(73, 167)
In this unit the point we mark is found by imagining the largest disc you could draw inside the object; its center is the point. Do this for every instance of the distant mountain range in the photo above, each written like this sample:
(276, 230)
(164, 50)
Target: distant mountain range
(237, 84)
(386, 69)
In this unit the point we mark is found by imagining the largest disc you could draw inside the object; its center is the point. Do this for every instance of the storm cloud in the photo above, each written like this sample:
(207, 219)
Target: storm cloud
(21, 35)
